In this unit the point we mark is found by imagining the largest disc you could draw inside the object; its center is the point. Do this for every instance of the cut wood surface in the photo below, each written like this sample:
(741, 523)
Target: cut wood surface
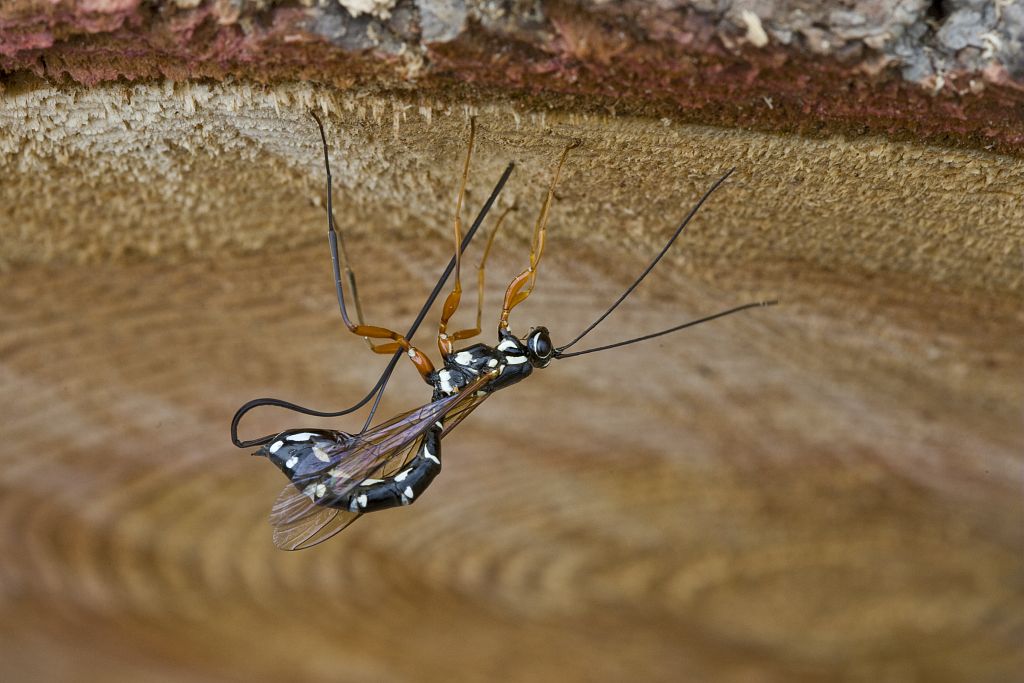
(826, 490)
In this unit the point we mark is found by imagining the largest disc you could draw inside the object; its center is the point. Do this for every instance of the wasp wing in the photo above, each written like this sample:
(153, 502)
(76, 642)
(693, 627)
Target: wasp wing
(302, 518)
(461, 411)
(301, 524)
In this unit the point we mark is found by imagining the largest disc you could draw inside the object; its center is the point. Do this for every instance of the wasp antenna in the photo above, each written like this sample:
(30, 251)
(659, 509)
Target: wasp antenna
(721, 314)
(653, 263)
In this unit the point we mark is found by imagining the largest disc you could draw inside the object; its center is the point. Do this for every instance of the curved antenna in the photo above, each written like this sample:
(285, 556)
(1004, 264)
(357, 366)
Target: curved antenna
(721, 314)
(653, 263)
(378, 388)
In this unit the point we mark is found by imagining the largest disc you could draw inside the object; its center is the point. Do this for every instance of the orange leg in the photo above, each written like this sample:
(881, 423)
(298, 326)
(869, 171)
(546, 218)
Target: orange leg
(515, 294)
(451, 304)
(339, 261)
(472, 332)
(370, 332)
(418, 358)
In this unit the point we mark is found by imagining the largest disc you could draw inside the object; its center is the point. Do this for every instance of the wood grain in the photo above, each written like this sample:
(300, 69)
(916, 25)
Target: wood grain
(776, 497)
(829, 490)
(184, 171)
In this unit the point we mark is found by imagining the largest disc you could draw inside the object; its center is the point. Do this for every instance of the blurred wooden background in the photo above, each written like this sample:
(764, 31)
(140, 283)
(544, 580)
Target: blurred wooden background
(827, 490)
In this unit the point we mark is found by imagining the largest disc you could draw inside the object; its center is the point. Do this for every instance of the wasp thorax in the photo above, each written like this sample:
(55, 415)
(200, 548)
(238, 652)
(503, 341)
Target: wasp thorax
(538, 347)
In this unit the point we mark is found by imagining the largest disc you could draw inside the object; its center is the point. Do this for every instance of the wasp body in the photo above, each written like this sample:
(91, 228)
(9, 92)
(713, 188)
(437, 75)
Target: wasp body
(302, 453)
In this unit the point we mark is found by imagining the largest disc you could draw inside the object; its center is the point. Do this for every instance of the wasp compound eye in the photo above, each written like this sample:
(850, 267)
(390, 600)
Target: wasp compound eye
(538, 343)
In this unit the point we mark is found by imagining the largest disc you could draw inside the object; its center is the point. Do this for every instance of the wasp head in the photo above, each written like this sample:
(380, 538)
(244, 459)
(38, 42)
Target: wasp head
(539, 348)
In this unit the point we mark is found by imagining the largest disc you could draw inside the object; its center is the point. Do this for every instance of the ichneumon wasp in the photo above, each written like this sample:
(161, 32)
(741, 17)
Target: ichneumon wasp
(335, 477)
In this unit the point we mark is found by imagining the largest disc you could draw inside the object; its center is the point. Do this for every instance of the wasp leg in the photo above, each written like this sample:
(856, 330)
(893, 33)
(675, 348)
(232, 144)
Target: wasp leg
(403, 488)
(340, 255)
(399, 342)
(418, 358)
(472, 332)
(515, 294)
(368, 332)
(451, 304)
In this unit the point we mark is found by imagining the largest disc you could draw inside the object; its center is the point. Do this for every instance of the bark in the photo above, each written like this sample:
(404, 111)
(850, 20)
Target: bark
(947, 72)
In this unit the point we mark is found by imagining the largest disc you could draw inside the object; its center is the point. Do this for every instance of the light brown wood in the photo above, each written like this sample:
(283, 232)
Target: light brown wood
(827, 490)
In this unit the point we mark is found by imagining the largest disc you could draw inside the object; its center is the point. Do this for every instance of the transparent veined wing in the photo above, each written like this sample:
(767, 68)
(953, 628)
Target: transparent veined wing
(461, 411)
(300, 524)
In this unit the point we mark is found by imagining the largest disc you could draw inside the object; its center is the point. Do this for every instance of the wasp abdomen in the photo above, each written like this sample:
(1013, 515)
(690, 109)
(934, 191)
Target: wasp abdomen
(403, 488)
(302, 455)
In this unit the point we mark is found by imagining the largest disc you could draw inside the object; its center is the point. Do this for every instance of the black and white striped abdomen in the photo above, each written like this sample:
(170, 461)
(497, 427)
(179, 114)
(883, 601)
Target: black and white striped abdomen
(402, 488)
(303, 457)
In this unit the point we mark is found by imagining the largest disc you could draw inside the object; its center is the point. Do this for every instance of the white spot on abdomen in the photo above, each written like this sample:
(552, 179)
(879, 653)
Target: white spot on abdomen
(408, 492)
(464, 358)
(292, 461)
(304, 436)
(320, 454)
(274, 446)
(515, 360)
(507, 344)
